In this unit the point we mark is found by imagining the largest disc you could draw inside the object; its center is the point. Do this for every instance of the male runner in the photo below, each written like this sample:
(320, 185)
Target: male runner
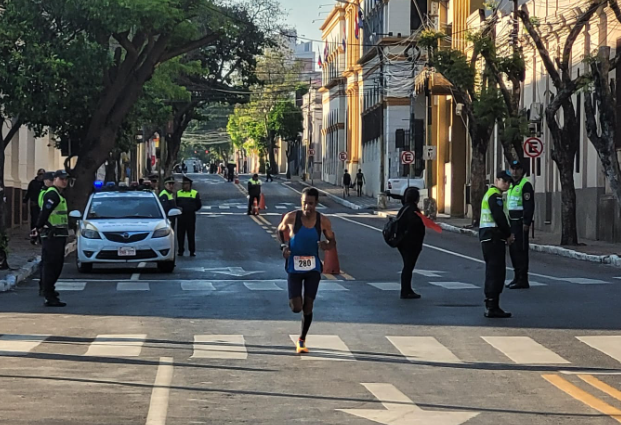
(302, 257)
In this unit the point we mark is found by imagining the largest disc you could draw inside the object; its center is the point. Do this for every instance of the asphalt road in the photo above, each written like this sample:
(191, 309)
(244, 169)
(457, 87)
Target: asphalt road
(211, 342)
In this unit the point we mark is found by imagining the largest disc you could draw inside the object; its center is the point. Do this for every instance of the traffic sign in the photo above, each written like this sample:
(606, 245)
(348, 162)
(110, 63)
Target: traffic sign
(407, 157)
(429, 153)
(533, 147)
(311, 152)
(343, 156)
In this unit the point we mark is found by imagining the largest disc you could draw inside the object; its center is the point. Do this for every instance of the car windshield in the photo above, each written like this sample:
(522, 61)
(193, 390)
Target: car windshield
(124, 207)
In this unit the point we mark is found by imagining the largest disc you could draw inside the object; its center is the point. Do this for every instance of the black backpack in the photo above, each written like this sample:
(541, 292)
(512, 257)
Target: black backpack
(394, 231)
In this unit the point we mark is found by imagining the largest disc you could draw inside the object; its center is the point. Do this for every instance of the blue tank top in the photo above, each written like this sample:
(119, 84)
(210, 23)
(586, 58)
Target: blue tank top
(304, 247)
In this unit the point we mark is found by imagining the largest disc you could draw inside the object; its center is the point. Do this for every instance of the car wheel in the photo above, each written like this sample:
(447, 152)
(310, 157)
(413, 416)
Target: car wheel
(85, 267)
(166, 266)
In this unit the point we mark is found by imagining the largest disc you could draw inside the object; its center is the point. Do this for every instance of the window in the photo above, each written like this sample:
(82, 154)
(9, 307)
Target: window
(120, 207)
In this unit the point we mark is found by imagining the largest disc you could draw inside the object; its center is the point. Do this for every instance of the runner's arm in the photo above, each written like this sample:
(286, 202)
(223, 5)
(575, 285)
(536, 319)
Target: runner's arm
(283, 227)
(326, 227)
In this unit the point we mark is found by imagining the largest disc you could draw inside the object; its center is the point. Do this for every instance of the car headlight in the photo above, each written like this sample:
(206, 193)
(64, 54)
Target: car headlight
(90, 234)
(161, 233)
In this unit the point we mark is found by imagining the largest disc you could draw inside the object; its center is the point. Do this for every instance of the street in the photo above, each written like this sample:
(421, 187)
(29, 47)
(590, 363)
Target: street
(212, 342)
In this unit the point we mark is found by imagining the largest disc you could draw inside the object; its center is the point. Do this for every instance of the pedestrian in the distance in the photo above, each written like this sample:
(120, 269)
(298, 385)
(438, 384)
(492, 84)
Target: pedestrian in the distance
(32, 196)
(268, 173)
(495, 234)
(411, 243)
(346, 183)
(254, 192)
(360, 181)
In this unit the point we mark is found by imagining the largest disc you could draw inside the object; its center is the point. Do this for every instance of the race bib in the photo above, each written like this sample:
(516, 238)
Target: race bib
(304, 264)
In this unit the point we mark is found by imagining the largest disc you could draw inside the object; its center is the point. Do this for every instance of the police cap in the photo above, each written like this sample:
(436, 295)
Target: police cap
(516, 165)
(49, 175)
(187, 180)
(504, 175)
(61, 174)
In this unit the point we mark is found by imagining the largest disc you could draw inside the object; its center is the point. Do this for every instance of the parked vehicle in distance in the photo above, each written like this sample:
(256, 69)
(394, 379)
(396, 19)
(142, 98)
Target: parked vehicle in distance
(397, 187)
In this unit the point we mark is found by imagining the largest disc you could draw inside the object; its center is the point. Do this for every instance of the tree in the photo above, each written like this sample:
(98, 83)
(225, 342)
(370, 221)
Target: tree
(600, 103)
(118, 45)
(482, 105)
(565, 131)
(285, 120)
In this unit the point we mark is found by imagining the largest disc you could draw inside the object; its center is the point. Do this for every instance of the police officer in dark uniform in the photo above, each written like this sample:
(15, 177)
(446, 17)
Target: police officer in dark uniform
(189, 202)
(494, 234)
(521, 207)
(254, 192)
(167, 198)
(53, 227)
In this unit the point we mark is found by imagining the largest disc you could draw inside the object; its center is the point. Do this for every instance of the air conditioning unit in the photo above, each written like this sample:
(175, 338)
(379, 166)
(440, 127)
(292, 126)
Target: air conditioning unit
(459, 109)
(536, 112)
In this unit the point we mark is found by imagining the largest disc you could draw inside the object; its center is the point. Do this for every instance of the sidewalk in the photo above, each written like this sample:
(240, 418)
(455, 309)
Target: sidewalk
(589, 250)
(24, 259)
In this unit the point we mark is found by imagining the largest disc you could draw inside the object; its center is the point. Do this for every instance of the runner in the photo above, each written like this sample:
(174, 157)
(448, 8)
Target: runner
(303, 265)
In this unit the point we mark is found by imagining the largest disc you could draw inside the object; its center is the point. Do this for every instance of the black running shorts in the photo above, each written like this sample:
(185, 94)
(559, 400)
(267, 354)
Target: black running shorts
(310, 282)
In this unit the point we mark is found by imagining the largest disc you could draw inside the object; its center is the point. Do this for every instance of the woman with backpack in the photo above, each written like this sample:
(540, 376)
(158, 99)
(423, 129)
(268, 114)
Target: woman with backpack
(410, 244)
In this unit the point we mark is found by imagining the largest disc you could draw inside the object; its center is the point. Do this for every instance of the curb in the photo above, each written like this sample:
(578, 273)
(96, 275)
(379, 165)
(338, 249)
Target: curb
(612, 260)
(27, 270)
(338, 199)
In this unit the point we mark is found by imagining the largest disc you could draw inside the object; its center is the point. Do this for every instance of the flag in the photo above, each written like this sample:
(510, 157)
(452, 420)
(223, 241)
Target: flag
(429, 223)
(345, 38)
(325, 52)
(319, 62)
(360, 22)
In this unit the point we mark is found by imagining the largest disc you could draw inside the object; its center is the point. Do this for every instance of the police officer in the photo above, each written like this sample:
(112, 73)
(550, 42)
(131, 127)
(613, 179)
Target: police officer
(167, 197)
(254, 192)
(53, 226)
(521, 207)
(189, 201)
(494, 234)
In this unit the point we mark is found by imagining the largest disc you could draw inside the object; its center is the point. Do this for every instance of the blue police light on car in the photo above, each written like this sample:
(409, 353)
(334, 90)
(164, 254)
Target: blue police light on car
(98, 184)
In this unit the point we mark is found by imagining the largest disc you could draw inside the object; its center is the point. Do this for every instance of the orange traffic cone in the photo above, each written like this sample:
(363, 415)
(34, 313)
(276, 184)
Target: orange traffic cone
(331, 263)
(262, 203)
(236, 180)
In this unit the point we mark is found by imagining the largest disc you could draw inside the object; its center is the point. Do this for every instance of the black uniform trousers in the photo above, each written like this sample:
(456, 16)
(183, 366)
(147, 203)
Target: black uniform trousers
(186, 224)
(34, 215)
(251, 202)
(494, 253)
(52, 260)
(519, 251)
(409, 255)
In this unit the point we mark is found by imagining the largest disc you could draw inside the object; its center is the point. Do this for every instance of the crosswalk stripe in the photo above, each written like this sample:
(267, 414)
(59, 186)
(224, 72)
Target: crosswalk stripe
(454, 285)
(123, 345)
(326, 347)
(331, 286)
(133, 286)
(197, 286)
(70, 286)
(386, 286)
(423, 349)
(20, 344)
(584, 281)
(220, 347)
(524, 350)
(262, 286)
(607, 344)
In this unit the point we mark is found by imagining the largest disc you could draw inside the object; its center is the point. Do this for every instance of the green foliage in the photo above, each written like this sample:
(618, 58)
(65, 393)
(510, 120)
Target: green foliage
(456, 68)
(285, 120)
(429, 38)
(489, 107)
(511, 65)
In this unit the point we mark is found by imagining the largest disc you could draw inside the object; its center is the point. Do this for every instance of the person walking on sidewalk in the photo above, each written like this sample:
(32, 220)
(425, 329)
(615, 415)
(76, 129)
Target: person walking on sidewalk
(254, 192)
(346, 183)
(268, 173)
(411, 243)
(189, 202)
(31, 196)
(521, 206)
(53, 227)
(303, 265)
(494, 235)
(360, 181)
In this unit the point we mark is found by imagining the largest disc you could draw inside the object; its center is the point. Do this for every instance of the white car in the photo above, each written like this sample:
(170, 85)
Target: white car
(397, 187)
(125, 227)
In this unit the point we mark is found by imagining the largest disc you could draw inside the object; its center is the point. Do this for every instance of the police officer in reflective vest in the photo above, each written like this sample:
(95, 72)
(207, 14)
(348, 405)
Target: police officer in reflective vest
(521, 207)
(48, 182)
(53, 227)
(167, 198)
(494, 234)
(254, 192)
(189, 202)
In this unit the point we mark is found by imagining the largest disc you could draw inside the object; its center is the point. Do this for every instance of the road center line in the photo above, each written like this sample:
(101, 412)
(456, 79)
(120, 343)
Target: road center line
(136, 276)
(446, 251)
(158, 407)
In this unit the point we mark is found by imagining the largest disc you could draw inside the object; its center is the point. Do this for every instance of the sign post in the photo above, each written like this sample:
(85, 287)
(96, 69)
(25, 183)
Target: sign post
(533, 147)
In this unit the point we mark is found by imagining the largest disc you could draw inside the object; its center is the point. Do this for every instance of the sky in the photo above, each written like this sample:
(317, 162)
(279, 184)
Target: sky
(302, 13)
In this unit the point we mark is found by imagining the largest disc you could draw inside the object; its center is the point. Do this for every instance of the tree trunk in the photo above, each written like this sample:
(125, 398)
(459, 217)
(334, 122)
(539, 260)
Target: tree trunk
(173, 145)
(272, 146)
(4, 239)
(569, 234)
(477, 180)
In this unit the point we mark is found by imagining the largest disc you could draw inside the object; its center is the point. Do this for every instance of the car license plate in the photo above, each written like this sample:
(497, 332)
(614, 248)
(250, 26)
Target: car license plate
(127, 252)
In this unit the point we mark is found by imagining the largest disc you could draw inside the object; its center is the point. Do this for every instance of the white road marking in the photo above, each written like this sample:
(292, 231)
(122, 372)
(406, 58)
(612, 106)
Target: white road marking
(281, 207)
(583, 281)
(531, 283)
(220, 347)
(331, 286)
(224, 207)
(262, 286)
(123, 345)
(133, 285)
(158, 407)
(20, 344)
(524, 350)
(428, 273)
(454, 285)
(70, 286)
(325, 347)
(136, 276)
(386, 286)
(197, 285)
(423, 349)
(607, 344)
